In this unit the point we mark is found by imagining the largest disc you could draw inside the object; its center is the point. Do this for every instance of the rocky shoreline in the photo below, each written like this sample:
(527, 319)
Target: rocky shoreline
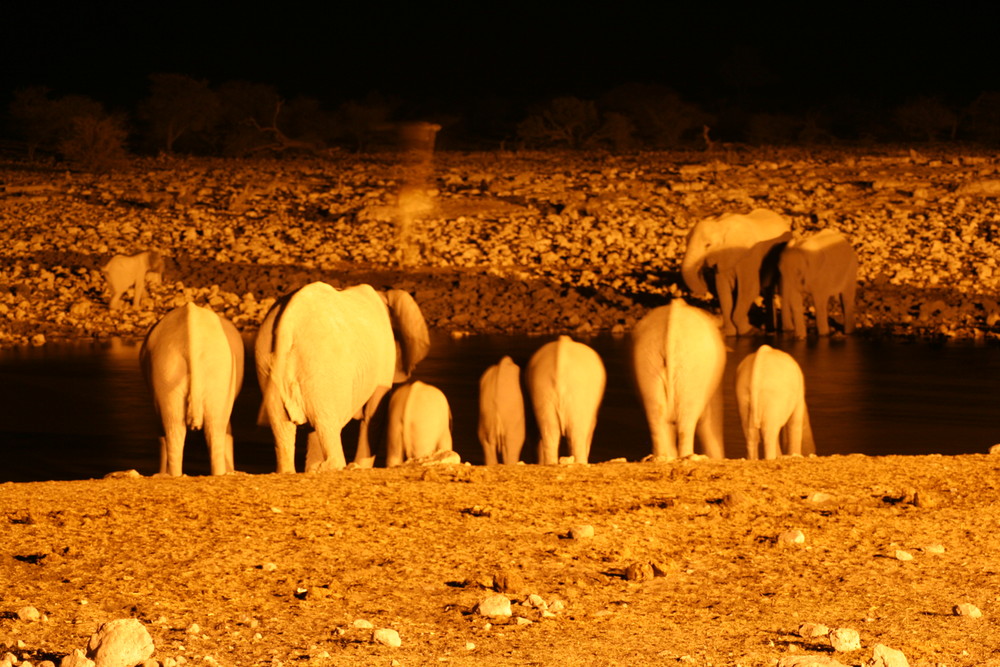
(525, 242)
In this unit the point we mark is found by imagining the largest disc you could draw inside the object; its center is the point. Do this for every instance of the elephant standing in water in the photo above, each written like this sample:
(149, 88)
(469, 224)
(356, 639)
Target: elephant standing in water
(193, 362)
(738, 249)
(678, 357)
(823, 265)
(770, 393)
(566, 381)
(419, 423)
(501, 412)
(123, 272)
(325, 356)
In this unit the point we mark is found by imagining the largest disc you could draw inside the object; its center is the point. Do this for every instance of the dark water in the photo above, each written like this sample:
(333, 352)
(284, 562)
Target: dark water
(80, 411)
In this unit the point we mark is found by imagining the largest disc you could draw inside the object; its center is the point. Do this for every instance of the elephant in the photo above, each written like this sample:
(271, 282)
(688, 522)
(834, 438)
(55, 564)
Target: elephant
(823, 265)
(123, 272)
(566, 380)
(419, 423)
(501, 412)
(192, 360)
(325, 356)
(770, 393)
(678, 359)
(738, 249)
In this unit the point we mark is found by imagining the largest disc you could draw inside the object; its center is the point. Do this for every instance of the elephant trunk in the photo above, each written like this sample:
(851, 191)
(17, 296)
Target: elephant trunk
(691, 271)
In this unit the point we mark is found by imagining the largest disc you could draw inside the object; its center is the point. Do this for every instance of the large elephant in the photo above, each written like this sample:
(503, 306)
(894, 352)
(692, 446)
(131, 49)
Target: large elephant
(193, 362)
(566, 381)
(122, 272)
(501, 412)
(678, 358)
(770, 393)
(325, 356)
(419, 423)
(823, 265)
(736, 248)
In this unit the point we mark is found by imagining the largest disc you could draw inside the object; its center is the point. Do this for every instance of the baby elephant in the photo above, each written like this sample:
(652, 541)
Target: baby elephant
(193, 362)
(501, 412)
(770, 393)
(419, 423)
(566, 382)
(823, 265)
(123, 272)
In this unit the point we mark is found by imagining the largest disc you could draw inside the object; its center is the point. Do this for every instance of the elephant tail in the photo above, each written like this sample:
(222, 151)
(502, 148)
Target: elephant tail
(283, 388)
(754, 416)
(196, 382)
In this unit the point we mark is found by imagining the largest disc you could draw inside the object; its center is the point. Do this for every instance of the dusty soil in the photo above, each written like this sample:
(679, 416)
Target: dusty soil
(687, 564)
(269, 569)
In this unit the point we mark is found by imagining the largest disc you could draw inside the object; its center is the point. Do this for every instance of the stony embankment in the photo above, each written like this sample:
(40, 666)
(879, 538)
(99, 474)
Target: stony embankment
(497, 242)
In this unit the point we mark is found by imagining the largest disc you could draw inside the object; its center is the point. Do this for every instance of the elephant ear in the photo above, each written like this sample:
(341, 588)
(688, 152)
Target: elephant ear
(413, 341)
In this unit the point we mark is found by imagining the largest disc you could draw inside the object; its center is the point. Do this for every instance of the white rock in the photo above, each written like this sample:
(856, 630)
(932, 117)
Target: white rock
(883, 656)
(792, 537)
(194, 629)
(537, 601)
(76, 659)
(934, 549)
(819, 497)
(494, 605)
(387, 637)
(845, 639)
(808, 630)
(809, 661)
(120, 643)
(557, 605)
(899, 554)
(966, 609)
(580, 532)
(362, 624)
(995, 449)
(29, 614)
(566, 460)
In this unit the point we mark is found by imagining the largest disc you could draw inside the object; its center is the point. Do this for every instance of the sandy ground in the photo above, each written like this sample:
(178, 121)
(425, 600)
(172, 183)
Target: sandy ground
(691, 562)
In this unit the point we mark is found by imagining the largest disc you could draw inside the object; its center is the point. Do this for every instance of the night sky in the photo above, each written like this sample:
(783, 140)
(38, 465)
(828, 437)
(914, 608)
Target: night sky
(454, 51)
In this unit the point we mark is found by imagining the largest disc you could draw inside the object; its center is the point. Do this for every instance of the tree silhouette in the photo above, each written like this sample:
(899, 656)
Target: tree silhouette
(177, 105)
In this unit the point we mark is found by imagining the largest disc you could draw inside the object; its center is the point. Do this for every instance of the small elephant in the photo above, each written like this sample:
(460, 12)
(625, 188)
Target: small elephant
(193, 362)
(325, 356)
(566, 382)
(678, 358)
(501, 412)
(123, 272)
(739, 249)
(823, 265)
(419, 423)
(770, 393)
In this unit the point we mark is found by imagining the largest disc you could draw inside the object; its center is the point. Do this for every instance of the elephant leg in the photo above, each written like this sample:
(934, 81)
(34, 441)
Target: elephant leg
(548, 443)
(579, 438)
(163, 456)
(328, 453)
(747, 289)
(490, 452)
(230, 461)
(284, 442)
(363, 457)
(771, 434)
(664, 434)
(753, 442)
(218, 447)
(140, 292)
(725, 284)
(793, 430)
(173, 444)
(710, 427)
(847, 297)
(822, 303)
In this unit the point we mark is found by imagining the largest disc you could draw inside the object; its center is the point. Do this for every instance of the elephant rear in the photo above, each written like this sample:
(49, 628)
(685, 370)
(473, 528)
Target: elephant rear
(193, 362)
(770, 393)
(566, 381)
(501, 412)
(419, 423)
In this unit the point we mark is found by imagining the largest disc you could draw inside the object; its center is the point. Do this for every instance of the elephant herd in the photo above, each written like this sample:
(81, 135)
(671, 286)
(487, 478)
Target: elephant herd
(325, 356)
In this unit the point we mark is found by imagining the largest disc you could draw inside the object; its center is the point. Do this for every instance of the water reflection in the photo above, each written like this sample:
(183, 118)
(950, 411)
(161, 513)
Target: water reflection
(80, 411)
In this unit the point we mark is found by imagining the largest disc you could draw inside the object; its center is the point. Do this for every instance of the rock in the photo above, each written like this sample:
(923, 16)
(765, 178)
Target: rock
(883, 656)
(76, 659)
(966, 609)
(28, 614)
(809, 630)
(792, 537)
(494, 605)
(581, 532)
(639, 572)
(934, 549)
(508, 581)
(536, 601)
(567, 460)
(120, 643)
(899, 554)
(38, 340)
(123, 474)
(995, 449)
(387, 637)
(845, 639)
(819, 497)
(362, 624)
